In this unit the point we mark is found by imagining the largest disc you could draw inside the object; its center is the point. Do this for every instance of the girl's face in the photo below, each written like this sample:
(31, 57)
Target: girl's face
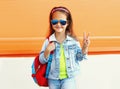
(59, 22)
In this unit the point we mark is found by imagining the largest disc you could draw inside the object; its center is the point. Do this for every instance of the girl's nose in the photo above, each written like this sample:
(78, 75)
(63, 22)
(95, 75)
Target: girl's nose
(58, 24)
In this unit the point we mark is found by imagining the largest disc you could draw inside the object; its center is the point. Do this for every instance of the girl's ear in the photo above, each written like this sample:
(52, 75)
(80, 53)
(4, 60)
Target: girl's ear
(67, 23)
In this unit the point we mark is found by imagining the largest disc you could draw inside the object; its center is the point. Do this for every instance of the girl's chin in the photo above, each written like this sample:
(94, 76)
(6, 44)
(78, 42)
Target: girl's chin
(59, 30)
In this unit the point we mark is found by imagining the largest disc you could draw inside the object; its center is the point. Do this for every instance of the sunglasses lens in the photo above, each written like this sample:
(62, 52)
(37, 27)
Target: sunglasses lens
(54, 21)
(62, 22)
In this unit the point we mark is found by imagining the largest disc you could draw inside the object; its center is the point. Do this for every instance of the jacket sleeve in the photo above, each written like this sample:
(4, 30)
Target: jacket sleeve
(42, 58)
(79, 55)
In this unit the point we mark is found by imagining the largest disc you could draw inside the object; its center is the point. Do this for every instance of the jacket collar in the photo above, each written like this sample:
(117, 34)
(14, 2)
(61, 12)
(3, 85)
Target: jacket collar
(53, 38)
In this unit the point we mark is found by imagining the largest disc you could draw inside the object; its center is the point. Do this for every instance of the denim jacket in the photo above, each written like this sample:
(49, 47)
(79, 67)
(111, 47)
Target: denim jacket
(73, 54)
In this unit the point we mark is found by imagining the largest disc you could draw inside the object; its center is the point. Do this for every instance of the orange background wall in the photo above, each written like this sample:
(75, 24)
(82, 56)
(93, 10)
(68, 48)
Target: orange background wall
(24, 24)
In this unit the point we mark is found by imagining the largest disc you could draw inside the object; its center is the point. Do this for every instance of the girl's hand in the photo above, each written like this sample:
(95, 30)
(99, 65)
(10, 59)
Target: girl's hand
(86, 43)
(86, 40)
(51, 46)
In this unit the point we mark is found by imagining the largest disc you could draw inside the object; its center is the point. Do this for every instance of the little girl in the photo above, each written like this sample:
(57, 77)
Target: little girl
(67, 51)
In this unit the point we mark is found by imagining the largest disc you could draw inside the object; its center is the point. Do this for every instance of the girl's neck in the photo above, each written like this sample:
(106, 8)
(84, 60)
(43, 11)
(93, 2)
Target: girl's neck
(60, 37)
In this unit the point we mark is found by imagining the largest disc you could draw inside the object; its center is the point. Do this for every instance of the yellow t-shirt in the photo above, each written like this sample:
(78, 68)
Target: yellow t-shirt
(63, 71)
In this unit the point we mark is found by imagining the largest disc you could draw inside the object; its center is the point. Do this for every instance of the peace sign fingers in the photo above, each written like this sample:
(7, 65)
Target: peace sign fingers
(86, 36)
(86, 40)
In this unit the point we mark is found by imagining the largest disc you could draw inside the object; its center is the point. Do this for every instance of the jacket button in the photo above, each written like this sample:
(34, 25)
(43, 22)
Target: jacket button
(67, 58)
(69, 67)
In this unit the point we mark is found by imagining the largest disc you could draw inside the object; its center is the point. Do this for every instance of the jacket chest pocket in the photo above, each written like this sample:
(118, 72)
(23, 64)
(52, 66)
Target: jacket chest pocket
(72, 49)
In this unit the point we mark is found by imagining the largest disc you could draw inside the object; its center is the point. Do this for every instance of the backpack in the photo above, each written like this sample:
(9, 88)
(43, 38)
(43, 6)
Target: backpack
(40, 71)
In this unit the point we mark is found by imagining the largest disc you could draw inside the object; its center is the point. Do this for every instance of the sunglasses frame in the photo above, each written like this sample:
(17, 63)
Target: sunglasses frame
(61, 21)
